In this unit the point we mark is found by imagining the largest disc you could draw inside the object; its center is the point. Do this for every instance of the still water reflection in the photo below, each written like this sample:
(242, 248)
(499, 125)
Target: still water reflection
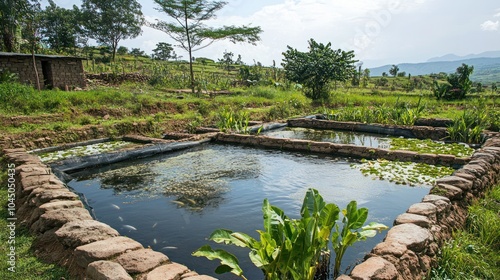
(173, 202)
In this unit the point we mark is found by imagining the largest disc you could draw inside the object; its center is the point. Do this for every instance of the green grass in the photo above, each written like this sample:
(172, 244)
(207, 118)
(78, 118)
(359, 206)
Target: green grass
(27, 265)
(474, 253)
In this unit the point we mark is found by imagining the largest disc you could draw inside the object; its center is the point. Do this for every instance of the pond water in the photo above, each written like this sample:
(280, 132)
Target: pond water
(335, 136)
(173, 202)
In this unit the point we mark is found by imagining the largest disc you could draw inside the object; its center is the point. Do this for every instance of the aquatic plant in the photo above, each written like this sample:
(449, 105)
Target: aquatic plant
(293, 248)
(431, 147)
(404, 173)
(83, 151)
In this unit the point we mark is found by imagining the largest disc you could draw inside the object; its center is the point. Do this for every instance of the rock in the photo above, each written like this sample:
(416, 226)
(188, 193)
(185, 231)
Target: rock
(375, 268)
(51, 206)
(104, 249)
(449, 191)
(77, 233)
(425, 209)
(432, 198)
(168, 271)
(57, 218)
(386, 248)
(412, 236)
(105, 270)
(408, 218)
(141, 260)
(456, 181)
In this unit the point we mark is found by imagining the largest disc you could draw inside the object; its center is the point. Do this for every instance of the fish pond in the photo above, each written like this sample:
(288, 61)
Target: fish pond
(372, 140)
(173, 202)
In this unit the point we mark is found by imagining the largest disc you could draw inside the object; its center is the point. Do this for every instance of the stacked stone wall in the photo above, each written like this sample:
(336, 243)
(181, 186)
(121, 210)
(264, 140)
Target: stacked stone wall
(66, 233)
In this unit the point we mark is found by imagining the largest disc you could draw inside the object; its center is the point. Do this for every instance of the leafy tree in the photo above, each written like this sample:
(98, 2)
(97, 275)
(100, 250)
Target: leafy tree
(494, 87)
(122, 50)
(138, 52)
(316, 68)
(394, 70)
(12, 15)
(164, 51)
(227, 60)
(110, 21)
(189, 30)
(458, 84)
(59, 27)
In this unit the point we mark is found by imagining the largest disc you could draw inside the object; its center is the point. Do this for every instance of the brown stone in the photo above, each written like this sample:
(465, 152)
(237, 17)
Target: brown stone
(105, 270)
(412, 236)
(392, 248)
(425, 209)
(168, 272)
(433, 198)
(141, 260)
(408, 218)
(344, 277)
(449, 191)
(51, 206)
(44, 196)
(456, 181)
(199, 277)
(57, 218)
(77, 233)
(375, 268)
(104, 249)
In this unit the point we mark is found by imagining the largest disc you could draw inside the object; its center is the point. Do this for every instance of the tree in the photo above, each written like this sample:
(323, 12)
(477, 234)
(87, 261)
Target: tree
(316, 68)
(110, 21)
(12, 15)
(59, 27)
(164, 51)
(394, 70)
(138, 52)
(227, 60)
(122, 50)
(458, 84)
(188, 28)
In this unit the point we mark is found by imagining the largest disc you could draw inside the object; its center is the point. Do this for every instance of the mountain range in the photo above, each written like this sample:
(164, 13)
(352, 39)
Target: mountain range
(486, 66)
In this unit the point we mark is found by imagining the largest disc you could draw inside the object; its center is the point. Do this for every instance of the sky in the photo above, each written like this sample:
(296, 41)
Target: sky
(379, 31)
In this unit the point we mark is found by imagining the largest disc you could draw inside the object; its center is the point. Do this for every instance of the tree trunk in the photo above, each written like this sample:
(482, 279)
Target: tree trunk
(186, 26)
(37, 79)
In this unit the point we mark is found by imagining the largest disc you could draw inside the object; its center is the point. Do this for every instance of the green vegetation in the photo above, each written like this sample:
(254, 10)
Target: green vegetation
(403, 173)
(27, 266)
(293, 248)
(317, 68)
(431, 147)
(474, 253)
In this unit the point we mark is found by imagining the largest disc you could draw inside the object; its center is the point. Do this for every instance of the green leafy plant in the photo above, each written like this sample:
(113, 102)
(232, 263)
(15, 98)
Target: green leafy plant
(229, 120)
(292, 248)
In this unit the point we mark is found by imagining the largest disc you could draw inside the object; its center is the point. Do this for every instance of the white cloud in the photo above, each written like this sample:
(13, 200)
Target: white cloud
(490, 25)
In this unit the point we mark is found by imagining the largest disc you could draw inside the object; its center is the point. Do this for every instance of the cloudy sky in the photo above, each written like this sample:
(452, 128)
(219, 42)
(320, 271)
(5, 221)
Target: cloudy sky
(379, 31)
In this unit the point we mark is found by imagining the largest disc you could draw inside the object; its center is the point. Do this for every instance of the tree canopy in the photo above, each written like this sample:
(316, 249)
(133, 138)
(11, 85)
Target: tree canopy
(319, 66)
(188, 29)
(12, 14)
(109, 21)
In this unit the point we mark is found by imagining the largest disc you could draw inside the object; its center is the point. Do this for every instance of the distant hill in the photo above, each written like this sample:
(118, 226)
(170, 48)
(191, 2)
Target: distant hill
(486, 69)
(453, 57)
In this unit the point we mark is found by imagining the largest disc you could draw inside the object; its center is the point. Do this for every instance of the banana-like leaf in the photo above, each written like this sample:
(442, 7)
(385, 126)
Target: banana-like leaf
(229, 263)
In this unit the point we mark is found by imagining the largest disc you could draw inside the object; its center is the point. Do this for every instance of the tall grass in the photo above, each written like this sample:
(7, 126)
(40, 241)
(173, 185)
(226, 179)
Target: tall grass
(474, 253)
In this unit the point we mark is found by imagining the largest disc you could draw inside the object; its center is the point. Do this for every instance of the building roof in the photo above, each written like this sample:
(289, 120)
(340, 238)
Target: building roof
(39, 55)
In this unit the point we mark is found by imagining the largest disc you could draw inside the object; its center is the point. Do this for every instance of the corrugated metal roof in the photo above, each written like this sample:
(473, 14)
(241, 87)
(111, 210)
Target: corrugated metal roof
(38, 55)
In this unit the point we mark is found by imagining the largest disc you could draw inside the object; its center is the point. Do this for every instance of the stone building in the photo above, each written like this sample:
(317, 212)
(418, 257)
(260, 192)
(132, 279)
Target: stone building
(54, 71)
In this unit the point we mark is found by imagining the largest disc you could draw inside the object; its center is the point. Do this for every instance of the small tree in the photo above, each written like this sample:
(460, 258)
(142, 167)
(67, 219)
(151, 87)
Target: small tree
(59, 27)
(110, 21)
(227, 60)
(394, 70)
(164, 51)
(122, 50)
(316, 68)
(189, 30)
(458, 86)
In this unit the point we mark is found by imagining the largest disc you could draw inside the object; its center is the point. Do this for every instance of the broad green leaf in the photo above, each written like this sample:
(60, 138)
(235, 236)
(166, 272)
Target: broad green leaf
(246, 240)
(367, 233)
(226, 259)
(375, 226)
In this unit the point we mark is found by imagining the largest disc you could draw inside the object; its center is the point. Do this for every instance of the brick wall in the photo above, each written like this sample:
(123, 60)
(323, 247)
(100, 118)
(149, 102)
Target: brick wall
(61, 72)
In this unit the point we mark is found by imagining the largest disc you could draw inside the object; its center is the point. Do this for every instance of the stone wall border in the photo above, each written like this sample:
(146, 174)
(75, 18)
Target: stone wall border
(58, 219)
